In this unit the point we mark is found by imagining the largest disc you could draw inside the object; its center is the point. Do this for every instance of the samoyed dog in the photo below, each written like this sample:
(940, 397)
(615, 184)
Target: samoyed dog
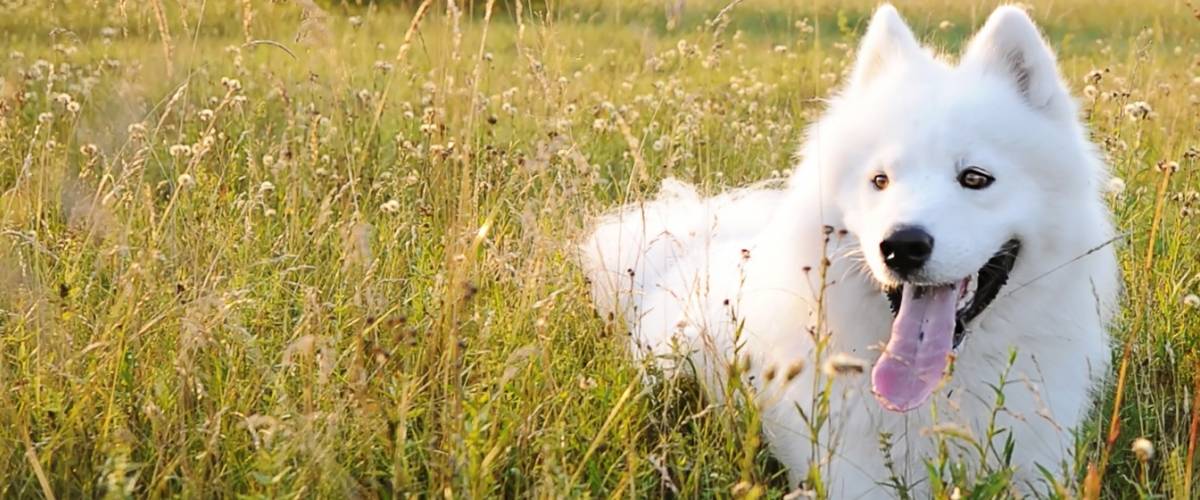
(937, 270)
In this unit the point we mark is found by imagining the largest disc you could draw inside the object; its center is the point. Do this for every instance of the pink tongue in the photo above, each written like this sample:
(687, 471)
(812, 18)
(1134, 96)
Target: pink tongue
(916, 356)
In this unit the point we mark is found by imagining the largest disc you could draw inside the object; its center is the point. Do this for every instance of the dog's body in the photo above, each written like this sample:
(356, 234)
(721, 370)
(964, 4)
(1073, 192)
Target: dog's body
(984, 162)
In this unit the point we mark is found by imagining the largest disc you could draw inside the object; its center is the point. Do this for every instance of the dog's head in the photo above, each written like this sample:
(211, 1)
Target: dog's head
(943, 172)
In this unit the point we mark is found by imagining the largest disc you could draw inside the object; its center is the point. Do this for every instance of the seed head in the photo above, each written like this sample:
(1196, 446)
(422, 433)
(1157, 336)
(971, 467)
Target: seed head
(1116, 185)
(1139, 110)
(843, 364)
(793, 370)
(1143, 449)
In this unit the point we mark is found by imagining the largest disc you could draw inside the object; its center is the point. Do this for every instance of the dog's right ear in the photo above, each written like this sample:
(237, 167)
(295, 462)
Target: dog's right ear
(889, 43)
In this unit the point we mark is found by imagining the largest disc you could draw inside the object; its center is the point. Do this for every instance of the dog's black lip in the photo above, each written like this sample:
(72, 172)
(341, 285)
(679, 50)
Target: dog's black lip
(991, 278)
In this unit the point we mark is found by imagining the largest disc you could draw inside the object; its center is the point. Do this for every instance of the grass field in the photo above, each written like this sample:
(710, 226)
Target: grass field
(271, 249)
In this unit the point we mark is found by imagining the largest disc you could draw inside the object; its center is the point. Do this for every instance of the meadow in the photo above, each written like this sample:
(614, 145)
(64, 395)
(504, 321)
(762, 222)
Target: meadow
(297, 249)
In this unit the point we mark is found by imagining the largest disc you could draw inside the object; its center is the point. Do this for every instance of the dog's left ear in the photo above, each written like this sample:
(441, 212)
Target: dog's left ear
(1010, 45)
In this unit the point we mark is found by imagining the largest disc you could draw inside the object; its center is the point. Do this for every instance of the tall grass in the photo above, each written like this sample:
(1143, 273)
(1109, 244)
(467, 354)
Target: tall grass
(280, 249)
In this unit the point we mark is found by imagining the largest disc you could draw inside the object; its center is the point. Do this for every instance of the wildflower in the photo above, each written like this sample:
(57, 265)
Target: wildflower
(390, 207)
(62, 99)
(1116, 185)
(136, 129)
(88, 150)
(356, 21)
(1090, 91)
(185, 181)
(843, 364)
(206, 115)
(231, 84)
(1167, 166)
(46, 117)
(1093, 77)
(383, 66)
(268, 160)
(266, 187)
(1143, 449)
(1138, 110)
(179, 150)
(945, 25)
(73, 107)
(1191, 300)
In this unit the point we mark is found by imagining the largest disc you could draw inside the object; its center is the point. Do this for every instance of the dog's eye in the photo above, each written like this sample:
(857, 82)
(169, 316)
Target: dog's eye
(880, 181)
(975, 178)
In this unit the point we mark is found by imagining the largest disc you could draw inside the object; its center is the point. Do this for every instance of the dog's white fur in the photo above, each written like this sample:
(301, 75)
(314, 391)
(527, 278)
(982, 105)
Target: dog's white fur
(688, 274)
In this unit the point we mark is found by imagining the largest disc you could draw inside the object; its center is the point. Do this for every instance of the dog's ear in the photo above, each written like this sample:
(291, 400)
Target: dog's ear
(888, 43)
(1010, 45)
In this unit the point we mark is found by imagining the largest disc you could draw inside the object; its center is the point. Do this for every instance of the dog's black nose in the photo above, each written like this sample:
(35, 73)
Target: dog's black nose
(906, 249)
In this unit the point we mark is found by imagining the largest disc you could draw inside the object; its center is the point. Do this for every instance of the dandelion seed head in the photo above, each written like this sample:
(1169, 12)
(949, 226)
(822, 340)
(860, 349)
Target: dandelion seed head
(231, 84)
(1139, 110)
(1116, 185)
(1143, 449)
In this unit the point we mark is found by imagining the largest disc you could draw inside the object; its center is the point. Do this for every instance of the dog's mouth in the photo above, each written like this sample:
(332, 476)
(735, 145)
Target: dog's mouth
(930, 322)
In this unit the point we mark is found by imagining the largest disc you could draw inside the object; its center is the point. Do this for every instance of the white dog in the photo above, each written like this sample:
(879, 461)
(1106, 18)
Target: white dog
(944, 234)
